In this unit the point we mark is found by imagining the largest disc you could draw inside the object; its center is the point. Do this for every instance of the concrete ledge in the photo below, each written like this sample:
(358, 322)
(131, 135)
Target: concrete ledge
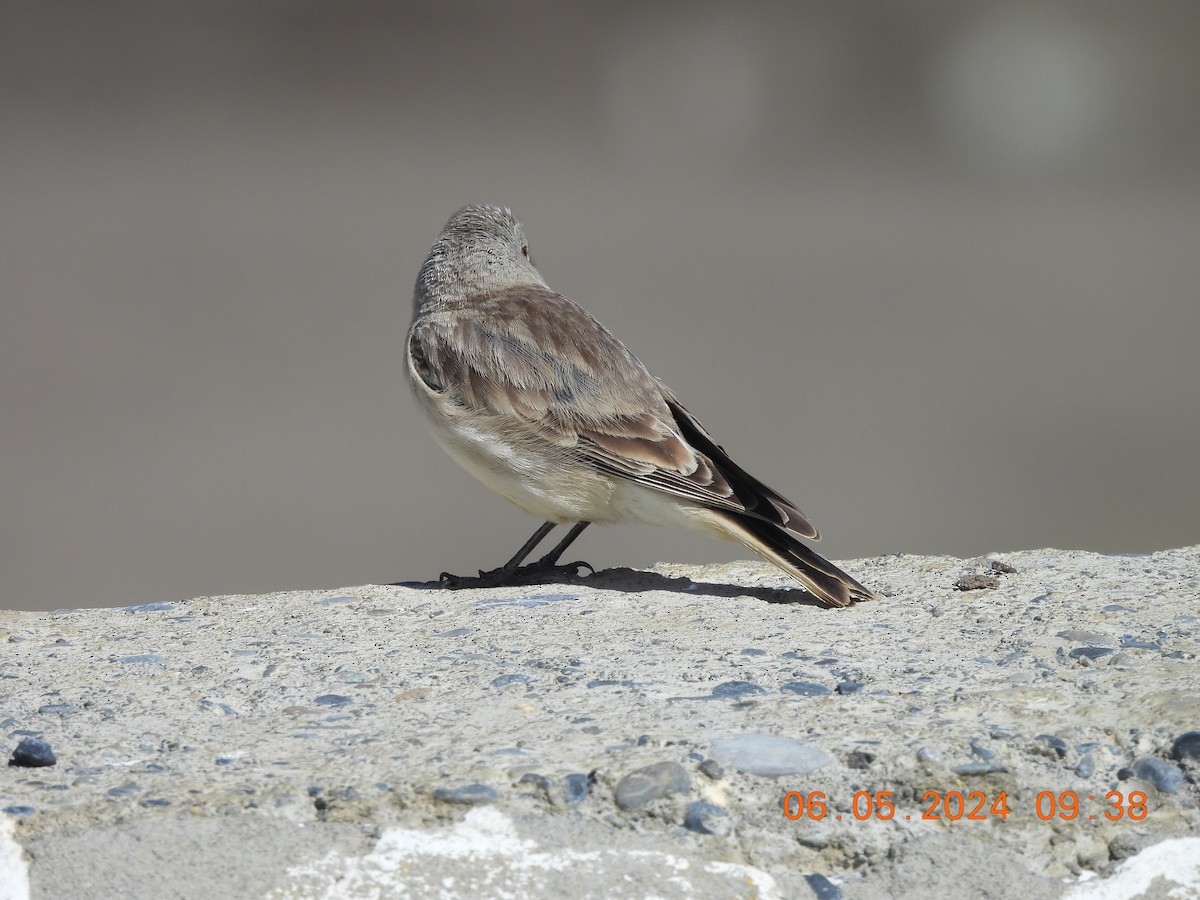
(629, 734)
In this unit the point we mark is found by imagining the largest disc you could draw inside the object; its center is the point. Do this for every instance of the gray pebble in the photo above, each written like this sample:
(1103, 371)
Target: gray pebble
(124, 790)
(712, 769)
(1132, 643)
(161, 606)
(1057, 744)
(981, 751)
(1081, 653)
(1086, 767)
(1081, 636)
(1186, 746)
(577, 786)
(1125, 845)
(33, 753)
(58, 709)
(512, 678)
(333, 700)
(805, 688)
(849, 687)
(648, 783)
(859, 759)
(764, 754)
(707, 818)
(731, 690)
(977, 583)
(538, 781)
(468, 794)
(1164, 776)
(930, 756)
(823, 888)
(979, 768)
(19, 810)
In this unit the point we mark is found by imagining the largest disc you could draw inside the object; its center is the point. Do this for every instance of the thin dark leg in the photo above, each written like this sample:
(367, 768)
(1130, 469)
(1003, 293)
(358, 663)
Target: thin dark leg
(511, 566)
(545, 569)
(552, 557)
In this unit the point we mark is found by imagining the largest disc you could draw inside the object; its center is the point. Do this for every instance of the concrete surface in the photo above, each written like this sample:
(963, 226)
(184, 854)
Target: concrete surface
(610, 737)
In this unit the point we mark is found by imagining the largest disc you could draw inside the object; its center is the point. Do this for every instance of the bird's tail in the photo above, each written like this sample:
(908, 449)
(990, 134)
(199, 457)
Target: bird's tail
(823, 579)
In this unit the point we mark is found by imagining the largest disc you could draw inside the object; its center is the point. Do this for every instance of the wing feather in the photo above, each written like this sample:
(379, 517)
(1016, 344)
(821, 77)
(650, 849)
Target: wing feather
(549, 367)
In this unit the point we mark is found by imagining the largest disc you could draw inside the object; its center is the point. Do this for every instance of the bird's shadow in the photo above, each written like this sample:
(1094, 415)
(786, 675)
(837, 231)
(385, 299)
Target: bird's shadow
(636, 581)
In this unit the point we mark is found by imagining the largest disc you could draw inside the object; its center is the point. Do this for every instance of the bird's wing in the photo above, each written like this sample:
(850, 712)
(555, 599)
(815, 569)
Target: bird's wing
(551, 369)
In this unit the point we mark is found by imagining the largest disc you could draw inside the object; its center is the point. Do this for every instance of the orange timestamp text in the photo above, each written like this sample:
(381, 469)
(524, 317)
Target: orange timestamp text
(971, 806)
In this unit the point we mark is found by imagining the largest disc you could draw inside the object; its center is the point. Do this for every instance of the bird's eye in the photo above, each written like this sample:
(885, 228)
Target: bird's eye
(525, 250)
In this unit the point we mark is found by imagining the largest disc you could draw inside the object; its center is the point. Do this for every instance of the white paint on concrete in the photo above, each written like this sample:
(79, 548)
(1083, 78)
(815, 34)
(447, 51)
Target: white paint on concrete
(14, 871)
(483, 855)
(1176, 863)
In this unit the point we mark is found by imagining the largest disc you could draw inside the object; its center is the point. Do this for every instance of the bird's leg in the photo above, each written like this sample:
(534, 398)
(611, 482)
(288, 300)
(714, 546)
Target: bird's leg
(550, 560)
(545, 569)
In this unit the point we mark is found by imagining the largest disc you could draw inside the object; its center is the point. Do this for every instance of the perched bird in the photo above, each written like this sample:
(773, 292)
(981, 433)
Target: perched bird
(529, 393)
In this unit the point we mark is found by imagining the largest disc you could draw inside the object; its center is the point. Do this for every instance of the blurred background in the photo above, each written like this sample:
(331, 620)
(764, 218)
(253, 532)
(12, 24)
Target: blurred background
(932, 270)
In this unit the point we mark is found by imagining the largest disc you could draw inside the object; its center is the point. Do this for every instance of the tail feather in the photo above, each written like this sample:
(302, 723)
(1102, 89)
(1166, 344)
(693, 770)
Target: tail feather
(823, 579)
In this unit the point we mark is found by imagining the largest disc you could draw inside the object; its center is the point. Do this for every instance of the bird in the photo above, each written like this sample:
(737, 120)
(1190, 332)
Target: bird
(534, 397)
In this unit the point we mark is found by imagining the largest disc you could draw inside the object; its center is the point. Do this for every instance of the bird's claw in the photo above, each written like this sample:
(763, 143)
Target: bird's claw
(534, 573)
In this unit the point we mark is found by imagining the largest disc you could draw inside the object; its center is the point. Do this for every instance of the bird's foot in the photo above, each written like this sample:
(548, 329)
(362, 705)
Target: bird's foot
(540, 572)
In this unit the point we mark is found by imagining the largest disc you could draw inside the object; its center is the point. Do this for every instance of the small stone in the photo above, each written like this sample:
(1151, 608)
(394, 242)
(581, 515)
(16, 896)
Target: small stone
(1125, 845)
(538, 781)
(764, 754)
(124, 790)
(1132, 643)
(822, 887)
(977, 583)
(33, 753)
(929, 756)
(19, 810)
(805, 688)
(1002, 567)
(58, 709)
(1186, 746)
(859, 759)
(849, 687)
(1086, 767)
(577, 786)
(712, 769)
(648, 783)
(733, 690)
(707, 818)
(467, 795)
(333, 700)
(1082, 636)
(979, 768)
(160, 606)
(1164, 776)
(981, 751)
(1057, 744)
(513, 678)
(1090, 653)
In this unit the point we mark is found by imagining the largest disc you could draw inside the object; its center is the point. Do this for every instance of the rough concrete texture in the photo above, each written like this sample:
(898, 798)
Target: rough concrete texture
(629, 734)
